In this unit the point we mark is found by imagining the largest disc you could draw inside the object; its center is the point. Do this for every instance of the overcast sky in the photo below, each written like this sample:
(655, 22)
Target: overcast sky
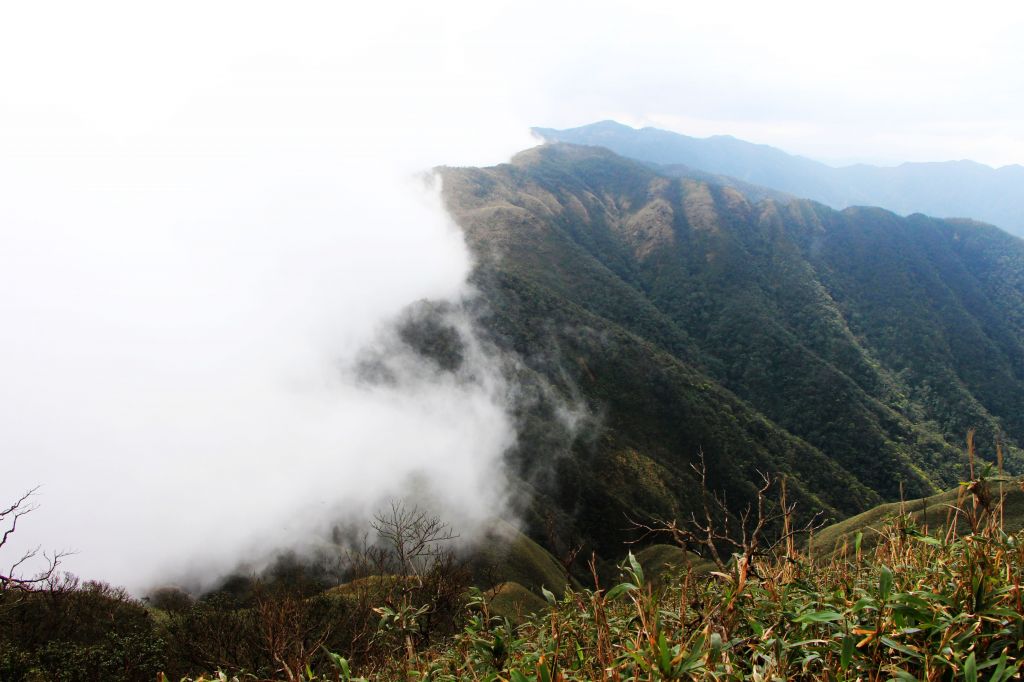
(910, 80)
(206, 208)
(917, 81)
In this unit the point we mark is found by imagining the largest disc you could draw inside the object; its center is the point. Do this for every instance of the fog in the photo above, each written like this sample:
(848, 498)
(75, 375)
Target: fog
(199, 241)
(210, 211)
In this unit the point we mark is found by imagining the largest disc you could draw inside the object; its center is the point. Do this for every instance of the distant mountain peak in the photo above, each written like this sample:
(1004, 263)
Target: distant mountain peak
(606, 126)
(609, 124)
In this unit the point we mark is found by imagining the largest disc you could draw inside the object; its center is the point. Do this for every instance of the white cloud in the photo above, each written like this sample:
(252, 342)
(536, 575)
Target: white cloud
(204, 217)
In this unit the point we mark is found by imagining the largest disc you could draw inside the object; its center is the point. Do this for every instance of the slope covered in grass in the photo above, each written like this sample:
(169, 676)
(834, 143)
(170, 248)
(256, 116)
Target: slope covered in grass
(933, 514)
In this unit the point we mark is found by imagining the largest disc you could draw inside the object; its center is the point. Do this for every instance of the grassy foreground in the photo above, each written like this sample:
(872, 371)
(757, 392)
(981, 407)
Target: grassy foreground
(915, 606)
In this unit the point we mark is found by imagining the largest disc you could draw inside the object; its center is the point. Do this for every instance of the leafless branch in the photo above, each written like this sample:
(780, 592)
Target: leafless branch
(11, 580)
(744, 532)
(413, 534)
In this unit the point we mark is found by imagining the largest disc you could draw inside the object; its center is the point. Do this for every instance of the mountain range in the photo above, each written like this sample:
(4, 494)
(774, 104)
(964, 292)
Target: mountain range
(660, 316)
(943, 189)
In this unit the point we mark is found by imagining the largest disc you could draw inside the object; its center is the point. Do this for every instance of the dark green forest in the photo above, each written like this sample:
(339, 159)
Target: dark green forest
(850, 351)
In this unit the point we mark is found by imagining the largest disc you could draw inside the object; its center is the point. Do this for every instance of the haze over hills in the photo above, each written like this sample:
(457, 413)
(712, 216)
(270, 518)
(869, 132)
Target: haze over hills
(944, 189)
(848, 350)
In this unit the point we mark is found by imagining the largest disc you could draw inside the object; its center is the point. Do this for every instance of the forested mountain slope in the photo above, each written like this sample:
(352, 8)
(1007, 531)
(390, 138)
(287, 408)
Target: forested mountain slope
(849, 350)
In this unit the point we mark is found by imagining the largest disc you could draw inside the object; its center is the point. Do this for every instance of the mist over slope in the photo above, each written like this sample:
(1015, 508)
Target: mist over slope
(194, 266)
(961, 189)
(849, 350)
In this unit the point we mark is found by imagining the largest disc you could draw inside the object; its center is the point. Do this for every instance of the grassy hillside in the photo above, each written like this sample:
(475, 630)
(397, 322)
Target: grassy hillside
(507, 557)
(933, 514)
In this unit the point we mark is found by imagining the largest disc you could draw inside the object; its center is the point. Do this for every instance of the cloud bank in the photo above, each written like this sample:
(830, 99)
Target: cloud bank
(204, 225)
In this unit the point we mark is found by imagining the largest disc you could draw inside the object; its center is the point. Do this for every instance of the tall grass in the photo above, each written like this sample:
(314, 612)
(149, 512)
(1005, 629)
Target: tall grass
(917, 605)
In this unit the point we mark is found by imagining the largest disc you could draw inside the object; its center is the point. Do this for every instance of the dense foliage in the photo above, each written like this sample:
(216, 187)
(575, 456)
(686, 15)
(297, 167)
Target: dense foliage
(917, 608)
(75, 632)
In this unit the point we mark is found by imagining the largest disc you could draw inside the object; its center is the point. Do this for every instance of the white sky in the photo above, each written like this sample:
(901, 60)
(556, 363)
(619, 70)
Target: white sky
(887, 81)
(204, 206)
(908, 80)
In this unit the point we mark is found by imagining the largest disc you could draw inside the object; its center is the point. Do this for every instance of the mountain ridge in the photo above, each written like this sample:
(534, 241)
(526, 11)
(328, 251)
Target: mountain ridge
(960, 188)
(848, 350)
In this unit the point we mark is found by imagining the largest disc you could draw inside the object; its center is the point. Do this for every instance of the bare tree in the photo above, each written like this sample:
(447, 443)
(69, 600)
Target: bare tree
(11, 579)
(745, 532)
(291, 636)
(422, 579)
(414, 536)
